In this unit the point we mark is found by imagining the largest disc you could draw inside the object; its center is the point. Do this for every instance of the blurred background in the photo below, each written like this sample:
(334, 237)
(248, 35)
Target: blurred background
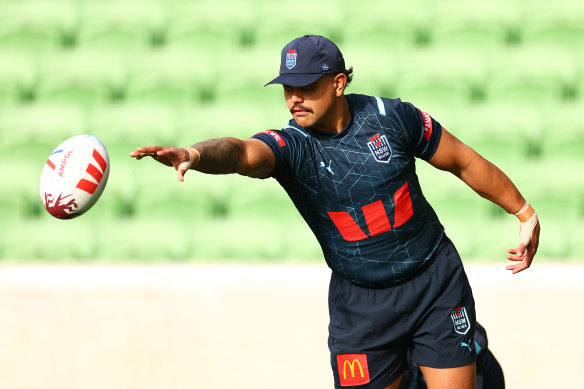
(506, 77)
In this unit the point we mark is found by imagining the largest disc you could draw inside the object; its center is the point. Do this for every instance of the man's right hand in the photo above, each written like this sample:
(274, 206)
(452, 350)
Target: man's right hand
(180, 158)
(249, 157)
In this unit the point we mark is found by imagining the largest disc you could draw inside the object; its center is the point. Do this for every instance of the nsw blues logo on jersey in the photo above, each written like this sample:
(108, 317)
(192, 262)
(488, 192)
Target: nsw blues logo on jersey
(380, 148)
(291, 59)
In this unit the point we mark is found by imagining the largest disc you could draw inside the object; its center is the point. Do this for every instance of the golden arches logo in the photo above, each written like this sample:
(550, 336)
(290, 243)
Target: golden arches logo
(358, 370)
(352, 368)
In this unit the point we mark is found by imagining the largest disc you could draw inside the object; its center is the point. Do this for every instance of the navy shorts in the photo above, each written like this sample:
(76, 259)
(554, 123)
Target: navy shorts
(431, 316)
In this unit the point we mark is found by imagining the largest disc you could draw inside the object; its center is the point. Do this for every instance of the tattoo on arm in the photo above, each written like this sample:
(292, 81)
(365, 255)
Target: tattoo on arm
(219, 156)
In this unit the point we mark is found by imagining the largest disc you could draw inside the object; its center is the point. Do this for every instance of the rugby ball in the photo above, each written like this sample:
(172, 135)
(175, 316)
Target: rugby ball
(74, 176)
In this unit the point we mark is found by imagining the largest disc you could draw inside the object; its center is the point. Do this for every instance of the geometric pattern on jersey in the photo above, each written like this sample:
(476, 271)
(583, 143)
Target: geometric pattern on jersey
(358, 190)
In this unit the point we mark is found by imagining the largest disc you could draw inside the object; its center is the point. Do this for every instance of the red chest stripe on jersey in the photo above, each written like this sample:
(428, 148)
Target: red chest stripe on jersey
(347, 226)
(427, 124)
(404, 210)
(375, 216)
(276, 136)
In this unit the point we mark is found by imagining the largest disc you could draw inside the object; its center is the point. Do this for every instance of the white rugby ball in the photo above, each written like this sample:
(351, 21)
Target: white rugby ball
(74, 176)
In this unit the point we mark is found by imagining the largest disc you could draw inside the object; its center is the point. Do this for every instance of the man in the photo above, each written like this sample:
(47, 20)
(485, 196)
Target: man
(347, 163)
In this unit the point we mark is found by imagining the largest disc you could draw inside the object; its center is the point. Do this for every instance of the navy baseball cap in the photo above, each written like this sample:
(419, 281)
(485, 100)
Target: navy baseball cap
(306, 59)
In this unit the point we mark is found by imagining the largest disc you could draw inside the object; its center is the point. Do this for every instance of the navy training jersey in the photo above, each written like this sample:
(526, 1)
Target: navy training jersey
(358, 189)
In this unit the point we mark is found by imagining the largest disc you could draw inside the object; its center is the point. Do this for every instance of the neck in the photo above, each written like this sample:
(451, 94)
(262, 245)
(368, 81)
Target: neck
(337, 118)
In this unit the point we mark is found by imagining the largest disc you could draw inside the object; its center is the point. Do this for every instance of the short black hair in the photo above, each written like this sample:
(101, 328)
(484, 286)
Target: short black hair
(349, 73)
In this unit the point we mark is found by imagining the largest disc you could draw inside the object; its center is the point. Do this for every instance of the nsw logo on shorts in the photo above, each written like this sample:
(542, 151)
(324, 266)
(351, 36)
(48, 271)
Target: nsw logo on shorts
(460, 320)
(353, 369)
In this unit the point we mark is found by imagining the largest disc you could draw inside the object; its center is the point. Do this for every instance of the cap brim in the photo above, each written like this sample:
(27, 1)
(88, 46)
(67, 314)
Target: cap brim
(296, 79)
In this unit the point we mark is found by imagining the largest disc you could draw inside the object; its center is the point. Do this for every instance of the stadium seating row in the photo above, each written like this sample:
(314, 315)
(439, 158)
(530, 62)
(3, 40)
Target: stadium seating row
(144, 190)
(170, 77)
(134, 25)
(90, 238)
(499, 131)
(506, 77)
(145, 214)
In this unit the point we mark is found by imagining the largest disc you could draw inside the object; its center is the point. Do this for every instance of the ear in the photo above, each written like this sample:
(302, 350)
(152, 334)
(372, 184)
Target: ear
(340, 82)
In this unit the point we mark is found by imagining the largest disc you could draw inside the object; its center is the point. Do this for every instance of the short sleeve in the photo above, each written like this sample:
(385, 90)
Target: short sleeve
(288, 150)
(423, 132)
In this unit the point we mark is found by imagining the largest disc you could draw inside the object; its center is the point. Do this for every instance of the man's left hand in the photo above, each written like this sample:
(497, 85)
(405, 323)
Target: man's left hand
(529, 236)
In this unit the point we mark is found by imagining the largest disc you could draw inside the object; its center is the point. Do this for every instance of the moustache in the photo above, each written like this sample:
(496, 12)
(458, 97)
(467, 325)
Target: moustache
(300, 107)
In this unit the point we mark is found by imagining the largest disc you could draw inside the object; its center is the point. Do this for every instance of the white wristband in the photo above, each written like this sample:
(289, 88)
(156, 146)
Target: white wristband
(186, 165)
(523, 209)
(190, 164)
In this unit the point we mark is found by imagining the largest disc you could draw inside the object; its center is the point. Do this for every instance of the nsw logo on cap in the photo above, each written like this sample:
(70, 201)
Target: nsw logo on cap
(291, 59)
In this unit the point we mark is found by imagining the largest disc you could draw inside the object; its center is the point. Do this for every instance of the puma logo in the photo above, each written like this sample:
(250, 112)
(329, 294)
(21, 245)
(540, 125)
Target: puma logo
(463, 344)
(322, 164)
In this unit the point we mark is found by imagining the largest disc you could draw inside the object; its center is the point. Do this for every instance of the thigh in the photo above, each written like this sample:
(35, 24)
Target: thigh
(367, 340)
(463, 377)
(444, 337)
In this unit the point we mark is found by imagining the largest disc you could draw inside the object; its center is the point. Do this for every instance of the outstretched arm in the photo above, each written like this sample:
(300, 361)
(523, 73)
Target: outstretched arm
(248, 157)
(491, 183)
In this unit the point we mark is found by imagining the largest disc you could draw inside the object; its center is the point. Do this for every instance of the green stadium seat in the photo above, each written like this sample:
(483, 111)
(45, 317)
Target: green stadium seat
(501, 133)
(36, 27)
(373, 70)
(121, 26)
(142, 240)
(175, 78)
(553, 188)
(48, 239)
(563, 132)
(459, 203)
(16, 77)
(134, 124)
(483, 240)
(579, 85)
(19, 192)
(557, 203)
(82, 78)
(438, 77)
(208, 26)
(531, 77)
(261, 199)
(472, 26)
(238, 119)
(237, 239)
(274, 28)
(384, 27)
(242, 81)
(575, 242)
(122, 128)
(199, 196)
(560, 25)
(35, 130)
(452, 200)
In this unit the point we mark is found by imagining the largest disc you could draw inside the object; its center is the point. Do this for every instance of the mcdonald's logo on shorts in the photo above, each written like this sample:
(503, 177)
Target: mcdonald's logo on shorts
(353, 369)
